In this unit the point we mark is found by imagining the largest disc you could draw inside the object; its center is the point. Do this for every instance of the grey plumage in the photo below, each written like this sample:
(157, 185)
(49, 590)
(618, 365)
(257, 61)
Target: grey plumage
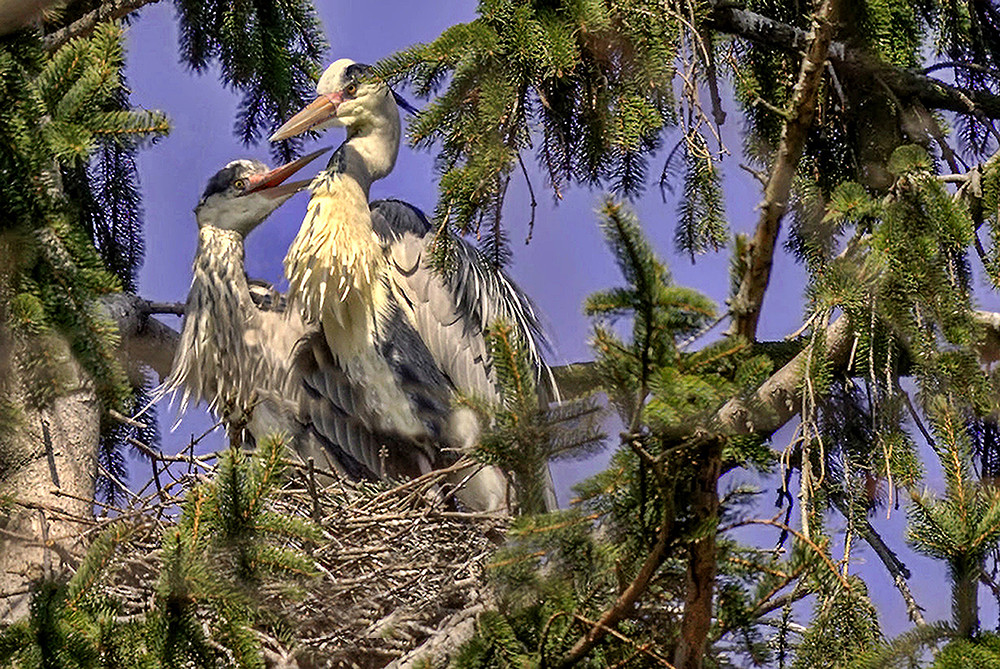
(405, 335)
(452, 312)
(247, 356)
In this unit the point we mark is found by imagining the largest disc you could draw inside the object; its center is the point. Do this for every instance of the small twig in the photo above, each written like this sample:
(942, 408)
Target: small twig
(701, 333)
(104, 471)
(46, 549)
(317, 510)
(756, 174)
(110, 507)
(122, 418)
(49, 452)
(665, 183)
(543, 661)
(153, 458)
(621, 637)
(805, 326)
(916, 417)
(798, 535)
(964, 65)
(531, 193)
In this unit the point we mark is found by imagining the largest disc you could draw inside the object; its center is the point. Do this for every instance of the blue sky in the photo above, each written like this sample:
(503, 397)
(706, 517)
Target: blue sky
(565, 261)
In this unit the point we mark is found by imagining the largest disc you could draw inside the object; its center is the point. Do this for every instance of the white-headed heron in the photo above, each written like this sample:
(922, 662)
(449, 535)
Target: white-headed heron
(407, 333)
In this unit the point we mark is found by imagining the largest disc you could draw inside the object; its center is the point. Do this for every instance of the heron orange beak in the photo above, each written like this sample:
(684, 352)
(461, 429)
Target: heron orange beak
(271, 184)
(319, 110)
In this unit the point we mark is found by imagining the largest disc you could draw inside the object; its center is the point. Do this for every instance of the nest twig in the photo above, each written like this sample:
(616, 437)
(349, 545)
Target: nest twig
(398, 566)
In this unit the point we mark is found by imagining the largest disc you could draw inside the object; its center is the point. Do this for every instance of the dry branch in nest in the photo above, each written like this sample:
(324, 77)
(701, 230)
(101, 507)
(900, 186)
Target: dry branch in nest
(401, 570)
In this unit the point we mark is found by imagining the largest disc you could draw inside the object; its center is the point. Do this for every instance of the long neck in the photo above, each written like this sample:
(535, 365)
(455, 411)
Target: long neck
(335, 264)
(370, 152)
(214, 361)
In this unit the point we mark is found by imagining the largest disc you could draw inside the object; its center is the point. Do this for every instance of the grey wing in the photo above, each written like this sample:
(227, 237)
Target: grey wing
(451, 313)
(333, 417)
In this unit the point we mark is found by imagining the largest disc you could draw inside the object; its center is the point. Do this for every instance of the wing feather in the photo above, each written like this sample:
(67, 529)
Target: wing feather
(451, 313)
(332, 410)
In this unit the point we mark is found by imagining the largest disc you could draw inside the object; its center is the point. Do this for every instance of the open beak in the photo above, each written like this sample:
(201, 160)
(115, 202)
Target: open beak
(319, 110)
(272, 184)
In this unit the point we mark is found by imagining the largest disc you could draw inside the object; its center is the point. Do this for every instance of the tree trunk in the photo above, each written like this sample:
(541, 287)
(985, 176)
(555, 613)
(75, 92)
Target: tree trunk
(53, 451)
(965, 601)
(700, 582)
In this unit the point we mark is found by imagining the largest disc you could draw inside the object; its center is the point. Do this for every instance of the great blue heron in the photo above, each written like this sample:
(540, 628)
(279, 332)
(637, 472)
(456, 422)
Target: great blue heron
(361, 271)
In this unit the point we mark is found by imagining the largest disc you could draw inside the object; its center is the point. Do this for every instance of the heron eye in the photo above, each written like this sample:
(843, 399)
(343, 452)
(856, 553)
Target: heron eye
(240, 184)
(351, 89)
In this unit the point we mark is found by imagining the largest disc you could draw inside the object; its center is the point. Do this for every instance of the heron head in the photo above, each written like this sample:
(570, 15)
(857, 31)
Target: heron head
(350, 96)
(245, 192)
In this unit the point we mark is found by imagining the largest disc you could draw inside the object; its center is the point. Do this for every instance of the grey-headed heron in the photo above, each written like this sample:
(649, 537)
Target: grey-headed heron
(363, 272)
(255, 363)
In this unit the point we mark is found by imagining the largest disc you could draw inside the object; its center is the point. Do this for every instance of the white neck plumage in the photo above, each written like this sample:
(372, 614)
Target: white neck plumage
(335, 265)
(371, 149)
(214, 362)
(337, 269)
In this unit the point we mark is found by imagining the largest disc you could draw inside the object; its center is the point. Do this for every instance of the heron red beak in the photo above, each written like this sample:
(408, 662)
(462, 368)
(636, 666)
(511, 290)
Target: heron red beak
(271, 184)
(319, 110)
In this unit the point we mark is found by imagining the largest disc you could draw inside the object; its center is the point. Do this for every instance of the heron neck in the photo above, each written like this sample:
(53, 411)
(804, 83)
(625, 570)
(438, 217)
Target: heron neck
(218, 315)
(219, 264)
(370, 152)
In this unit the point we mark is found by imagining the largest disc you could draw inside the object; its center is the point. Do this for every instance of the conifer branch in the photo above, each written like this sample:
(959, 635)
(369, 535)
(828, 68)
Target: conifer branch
(111, 10)
(899, 571)
(934, 94)
(625, 604)
(747, 304)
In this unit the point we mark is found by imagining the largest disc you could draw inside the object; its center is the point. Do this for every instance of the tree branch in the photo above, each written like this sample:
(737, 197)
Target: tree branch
(934, 94)
(112, 10)
(747, 304)
(143, 339)
(899, 571)
(778, 399)
(626, 602)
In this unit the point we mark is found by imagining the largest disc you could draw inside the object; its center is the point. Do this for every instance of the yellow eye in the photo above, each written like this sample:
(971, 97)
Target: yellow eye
(351, 89)
(240, 184)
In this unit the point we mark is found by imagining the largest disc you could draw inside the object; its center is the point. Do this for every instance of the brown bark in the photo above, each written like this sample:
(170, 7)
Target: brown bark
(55, 450)
(700, 580)
(746, 307)
(112, 10)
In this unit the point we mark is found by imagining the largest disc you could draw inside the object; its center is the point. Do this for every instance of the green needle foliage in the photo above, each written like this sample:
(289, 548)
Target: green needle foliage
(59, 109)
(228, 545)
(270, 51)
(71, 228)
(525, 435)
(583, 85)
(906, 285)
(561, 571)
